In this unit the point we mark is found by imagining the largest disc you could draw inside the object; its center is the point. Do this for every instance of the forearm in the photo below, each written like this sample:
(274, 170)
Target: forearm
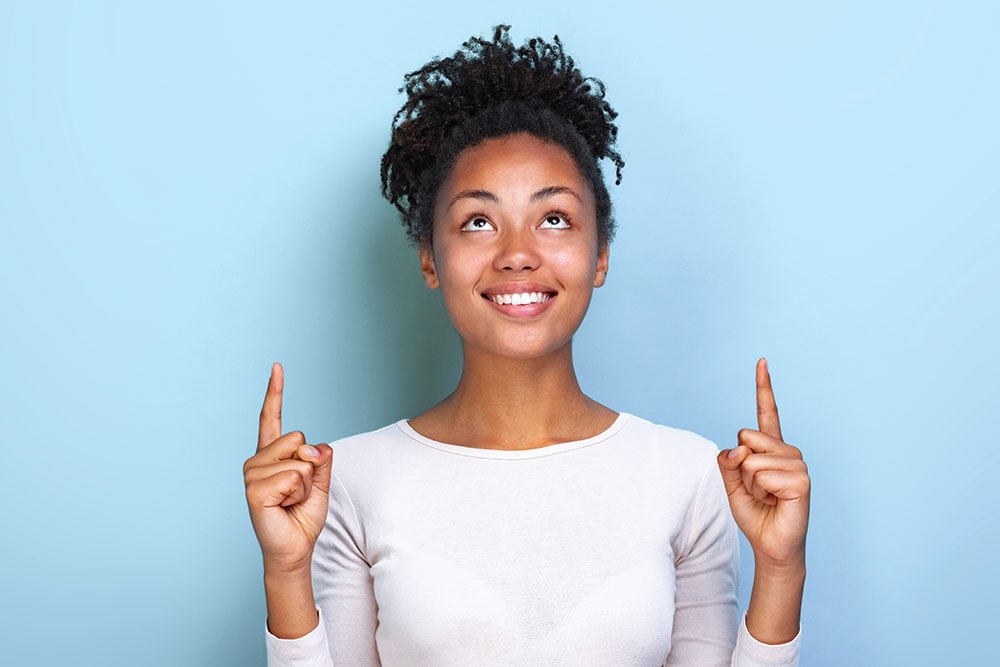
(776, 603)
(291, 607)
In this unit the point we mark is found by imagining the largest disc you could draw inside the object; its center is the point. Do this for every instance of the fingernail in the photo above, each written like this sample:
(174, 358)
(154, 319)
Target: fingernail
(310, 451)
(732, 453)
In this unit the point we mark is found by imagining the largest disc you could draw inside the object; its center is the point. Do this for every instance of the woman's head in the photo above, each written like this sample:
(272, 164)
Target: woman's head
(493, 89)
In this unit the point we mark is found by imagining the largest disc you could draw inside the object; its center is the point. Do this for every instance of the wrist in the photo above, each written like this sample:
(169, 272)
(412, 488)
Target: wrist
(782, 570)
(291, 607)
(776, 600)
(284, 573)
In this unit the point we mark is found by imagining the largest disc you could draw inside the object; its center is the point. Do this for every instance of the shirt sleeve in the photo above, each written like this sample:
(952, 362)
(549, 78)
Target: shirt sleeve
(311, 650)
(752, 653)
(344, 595)
(707, 629)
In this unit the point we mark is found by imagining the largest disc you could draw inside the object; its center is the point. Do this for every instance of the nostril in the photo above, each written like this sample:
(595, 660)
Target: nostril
(525, 267)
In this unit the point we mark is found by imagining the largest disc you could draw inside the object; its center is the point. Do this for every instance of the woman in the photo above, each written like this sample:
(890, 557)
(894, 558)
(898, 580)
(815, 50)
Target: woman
(518, 521)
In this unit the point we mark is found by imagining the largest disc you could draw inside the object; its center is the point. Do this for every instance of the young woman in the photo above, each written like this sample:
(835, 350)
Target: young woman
(518, 521)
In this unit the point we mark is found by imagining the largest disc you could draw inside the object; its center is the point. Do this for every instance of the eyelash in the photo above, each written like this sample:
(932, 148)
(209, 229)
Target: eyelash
(467, 225)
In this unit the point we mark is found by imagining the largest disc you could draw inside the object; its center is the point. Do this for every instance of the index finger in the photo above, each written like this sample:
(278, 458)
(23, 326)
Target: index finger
(270, 412)
(767, 409)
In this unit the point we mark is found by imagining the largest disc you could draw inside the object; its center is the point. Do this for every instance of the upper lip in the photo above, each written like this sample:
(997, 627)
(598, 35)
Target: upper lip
(517, 288)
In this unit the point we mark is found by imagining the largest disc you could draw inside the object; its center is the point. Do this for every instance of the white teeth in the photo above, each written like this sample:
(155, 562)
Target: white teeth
(520, 299)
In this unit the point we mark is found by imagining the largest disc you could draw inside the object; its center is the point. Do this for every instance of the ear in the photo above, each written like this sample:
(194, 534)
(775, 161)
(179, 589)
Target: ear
(427, 267)
(602, 266)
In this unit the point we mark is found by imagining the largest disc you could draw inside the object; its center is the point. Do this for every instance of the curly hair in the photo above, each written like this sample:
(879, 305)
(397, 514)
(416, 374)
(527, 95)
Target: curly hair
(491, 89)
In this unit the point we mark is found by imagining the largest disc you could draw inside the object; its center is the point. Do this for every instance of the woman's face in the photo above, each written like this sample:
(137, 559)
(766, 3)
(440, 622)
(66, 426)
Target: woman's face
(515, 249)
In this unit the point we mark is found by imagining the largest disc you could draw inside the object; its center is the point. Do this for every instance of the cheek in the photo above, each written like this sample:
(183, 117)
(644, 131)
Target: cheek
(577, 265)
(458, 272)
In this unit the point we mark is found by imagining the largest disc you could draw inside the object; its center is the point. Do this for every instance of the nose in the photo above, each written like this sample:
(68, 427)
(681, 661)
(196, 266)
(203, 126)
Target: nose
(517, 252)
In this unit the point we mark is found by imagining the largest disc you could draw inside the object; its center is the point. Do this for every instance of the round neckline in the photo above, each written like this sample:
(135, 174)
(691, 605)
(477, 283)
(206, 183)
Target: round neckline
(514, 454)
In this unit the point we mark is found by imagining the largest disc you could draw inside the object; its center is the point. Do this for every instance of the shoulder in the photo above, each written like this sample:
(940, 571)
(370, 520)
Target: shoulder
(369, 447)
(378, 438)
(683, 448)
(692, 487)
(677, 474)
(675, 465)
(681, 463)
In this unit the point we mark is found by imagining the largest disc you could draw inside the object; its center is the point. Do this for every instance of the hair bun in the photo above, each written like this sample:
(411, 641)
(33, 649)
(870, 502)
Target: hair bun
(480, 92)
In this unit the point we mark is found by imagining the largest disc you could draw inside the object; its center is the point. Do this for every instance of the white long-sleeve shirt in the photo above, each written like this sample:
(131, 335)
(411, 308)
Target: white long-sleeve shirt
(615, 550)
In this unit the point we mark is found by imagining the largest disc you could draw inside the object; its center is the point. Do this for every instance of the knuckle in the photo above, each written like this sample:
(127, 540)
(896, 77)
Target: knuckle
(303, 468)
(291, 477)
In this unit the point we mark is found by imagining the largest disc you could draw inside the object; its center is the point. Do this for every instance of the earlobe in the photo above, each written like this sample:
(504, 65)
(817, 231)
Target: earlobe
(427, 267)
(601, 275)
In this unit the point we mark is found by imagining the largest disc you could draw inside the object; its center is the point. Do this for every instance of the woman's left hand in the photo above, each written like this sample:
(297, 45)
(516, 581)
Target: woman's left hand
(768, 486)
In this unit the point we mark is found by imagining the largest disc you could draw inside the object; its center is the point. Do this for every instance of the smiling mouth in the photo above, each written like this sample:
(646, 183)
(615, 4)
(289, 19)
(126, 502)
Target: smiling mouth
(518, 299)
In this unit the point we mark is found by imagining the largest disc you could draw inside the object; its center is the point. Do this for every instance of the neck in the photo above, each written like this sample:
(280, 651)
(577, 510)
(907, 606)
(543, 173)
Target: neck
(504, 403)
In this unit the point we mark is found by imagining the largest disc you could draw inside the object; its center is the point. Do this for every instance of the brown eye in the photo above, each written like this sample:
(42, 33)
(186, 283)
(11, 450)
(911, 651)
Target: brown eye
(477, 224)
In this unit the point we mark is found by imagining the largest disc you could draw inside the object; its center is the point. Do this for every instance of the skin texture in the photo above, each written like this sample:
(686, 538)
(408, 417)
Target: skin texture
(768, 487)
(515, 211)
(500, 221)
(516, 215)
(288, 490)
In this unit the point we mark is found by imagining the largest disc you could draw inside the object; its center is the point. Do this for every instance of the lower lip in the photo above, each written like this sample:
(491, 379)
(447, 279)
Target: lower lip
(528, 310)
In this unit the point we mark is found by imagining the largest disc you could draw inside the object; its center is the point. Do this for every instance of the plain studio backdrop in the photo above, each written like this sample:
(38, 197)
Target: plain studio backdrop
(189, 192)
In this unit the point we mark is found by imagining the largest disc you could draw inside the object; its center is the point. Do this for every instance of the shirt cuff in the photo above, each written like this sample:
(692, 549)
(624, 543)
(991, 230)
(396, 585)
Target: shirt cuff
(753, 653)
(310, 650)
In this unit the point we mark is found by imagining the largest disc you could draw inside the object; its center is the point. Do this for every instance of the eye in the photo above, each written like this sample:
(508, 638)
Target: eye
(555, 221)
(478, 224)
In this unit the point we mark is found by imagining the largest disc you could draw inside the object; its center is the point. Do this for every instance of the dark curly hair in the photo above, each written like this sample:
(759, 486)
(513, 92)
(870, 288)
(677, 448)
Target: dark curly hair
(492, 89)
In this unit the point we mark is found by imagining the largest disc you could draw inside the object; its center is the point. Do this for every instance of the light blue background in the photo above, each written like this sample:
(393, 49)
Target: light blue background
(189, 191)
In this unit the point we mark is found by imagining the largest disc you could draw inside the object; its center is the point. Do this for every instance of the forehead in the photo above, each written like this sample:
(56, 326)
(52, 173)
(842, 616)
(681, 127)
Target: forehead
(516, 158)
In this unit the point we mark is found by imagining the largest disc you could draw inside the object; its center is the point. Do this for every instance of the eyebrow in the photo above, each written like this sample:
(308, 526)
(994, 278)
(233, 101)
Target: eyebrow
(554, 190)
(544, 193)
(483, 195)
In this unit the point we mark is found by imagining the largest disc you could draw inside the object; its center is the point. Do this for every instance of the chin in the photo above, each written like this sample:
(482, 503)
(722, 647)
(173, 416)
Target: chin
(526, 350)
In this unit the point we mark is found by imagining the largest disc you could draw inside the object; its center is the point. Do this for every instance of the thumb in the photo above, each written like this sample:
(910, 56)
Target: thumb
(322, 466)
(730, 461)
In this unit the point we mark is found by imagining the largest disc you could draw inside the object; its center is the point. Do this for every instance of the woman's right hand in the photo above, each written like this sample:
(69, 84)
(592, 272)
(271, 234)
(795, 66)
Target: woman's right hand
(288, 487)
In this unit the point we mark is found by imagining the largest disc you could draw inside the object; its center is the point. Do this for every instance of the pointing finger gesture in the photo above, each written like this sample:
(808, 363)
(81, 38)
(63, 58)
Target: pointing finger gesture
(287, 485)
(768, 484)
